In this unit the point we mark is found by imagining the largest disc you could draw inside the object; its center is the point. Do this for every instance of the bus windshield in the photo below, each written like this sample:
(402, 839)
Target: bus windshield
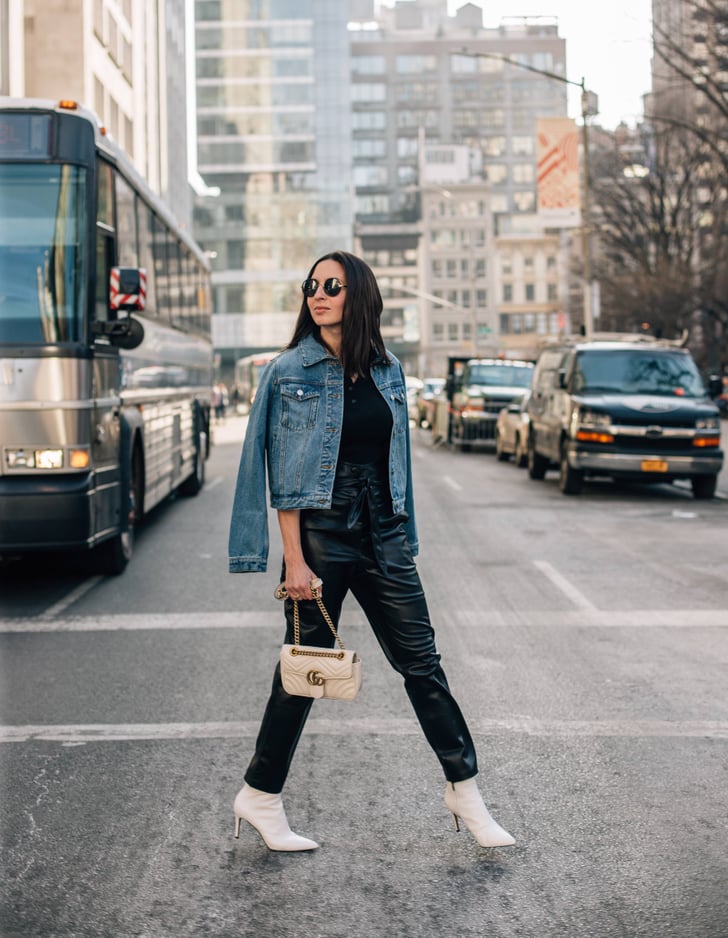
(42, 252)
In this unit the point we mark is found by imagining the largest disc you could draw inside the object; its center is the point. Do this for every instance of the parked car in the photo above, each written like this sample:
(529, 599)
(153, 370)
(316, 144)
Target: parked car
(475, 391)
(424, 401)
(511, 431)
(626, 407)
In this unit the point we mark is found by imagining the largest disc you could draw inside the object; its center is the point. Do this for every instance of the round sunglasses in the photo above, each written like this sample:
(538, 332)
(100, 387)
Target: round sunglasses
(332, 287)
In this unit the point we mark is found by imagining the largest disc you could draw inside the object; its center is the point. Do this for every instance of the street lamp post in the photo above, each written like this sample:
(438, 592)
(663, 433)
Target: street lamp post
(586, 111)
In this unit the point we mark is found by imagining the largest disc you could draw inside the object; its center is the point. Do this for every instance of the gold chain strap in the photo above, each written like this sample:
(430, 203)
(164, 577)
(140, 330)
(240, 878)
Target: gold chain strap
(327, 619)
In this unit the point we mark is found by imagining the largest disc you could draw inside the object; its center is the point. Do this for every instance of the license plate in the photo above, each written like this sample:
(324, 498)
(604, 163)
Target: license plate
(654, 465)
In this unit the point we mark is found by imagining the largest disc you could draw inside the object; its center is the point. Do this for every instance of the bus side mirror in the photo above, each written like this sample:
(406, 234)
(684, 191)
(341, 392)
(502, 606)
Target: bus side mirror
(128, 288)
(127, 294)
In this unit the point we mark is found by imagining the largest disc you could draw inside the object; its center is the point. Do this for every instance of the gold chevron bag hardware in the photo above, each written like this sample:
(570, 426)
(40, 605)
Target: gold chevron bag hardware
(312, 671)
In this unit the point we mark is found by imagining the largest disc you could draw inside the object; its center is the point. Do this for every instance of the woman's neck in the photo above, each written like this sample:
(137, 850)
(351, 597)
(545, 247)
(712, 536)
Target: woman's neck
(331, 338)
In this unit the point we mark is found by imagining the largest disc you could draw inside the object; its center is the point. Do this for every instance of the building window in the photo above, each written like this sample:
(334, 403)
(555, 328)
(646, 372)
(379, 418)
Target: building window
(369, 120)
(523, 172)
(368, 65)
(552, 293)
(453, 331)
(530, 292)
(452, 270)
(415, 64)
(99, 19)
(551, 262)
(438, 331)
(522, 146)
(524, 201)
(507, 292)
(368, 91)
(481, 298)
(370, 176)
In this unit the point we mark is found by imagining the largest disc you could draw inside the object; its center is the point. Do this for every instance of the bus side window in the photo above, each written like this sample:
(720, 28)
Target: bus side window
(126, 224)
(104, 263)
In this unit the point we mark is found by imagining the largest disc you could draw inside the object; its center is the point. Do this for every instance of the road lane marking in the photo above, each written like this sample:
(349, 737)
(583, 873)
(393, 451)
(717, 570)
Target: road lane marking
(462, 618)
(75, 734)
(455, 486)
(567, 588)
(72, 597)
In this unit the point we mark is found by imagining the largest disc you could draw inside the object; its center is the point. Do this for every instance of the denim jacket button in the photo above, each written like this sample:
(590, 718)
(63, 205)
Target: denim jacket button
(299, 392)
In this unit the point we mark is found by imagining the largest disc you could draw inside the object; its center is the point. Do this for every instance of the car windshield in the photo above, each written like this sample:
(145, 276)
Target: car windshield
(502, 373)
(42, 257)
(638, 371)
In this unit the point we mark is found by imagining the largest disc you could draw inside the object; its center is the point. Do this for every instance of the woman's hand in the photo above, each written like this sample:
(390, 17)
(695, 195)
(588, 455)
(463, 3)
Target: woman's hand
(299, 579)
(298, 573)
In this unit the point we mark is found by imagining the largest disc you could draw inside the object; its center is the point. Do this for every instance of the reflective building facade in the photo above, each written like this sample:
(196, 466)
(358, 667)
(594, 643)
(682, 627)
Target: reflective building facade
(274, 148)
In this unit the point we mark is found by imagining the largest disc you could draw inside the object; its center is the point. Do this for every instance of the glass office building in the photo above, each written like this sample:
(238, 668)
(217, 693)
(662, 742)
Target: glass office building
(274, 148)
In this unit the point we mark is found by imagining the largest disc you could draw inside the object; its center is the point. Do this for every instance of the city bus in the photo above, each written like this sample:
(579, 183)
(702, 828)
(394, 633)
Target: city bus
(106, 360)
(247, 376)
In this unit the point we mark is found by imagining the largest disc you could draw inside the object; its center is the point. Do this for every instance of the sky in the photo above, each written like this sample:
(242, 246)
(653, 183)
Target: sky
(607, 43)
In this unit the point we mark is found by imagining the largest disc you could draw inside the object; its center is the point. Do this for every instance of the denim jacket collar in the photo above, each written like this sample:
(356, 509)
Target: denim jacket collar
(313, 352)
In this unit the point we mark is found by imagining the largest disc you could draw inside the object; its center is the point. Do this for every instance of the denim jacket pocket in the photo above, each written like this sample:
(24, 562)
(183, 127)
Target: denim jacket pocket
(299, 405)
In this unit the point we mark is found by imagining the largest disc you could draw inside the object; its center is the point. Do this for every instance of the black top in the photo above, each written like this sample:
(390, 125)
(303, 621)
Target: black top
(367, 426)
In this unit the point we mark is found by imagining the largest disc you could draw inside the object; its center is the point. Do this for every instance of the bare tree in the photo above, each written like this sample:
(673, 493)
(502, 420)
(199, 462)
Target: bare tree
(662, 253)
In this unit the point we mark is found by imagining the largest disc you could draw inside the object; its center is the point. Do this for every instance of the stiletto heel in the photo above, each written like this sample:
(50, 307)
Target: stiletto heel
(264, 812)
(464, 801)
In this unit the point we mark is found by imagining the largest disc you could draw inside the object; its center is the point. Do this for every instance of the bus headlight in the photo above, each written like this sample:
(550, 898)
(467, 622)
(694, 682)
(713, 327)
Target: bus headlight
(49, 459)
(19, 459)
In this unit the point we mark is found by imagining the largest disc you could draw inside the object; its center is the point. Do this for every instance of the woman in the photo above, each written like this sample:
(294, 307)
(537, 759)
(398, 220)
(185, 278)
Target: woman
(330, 422)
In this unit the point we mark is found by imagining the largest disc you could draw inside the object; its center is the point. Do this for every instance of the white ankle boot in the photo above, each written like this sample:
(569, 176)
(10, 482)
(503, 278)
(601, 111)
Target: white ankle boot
(465, 802)
(265, 813)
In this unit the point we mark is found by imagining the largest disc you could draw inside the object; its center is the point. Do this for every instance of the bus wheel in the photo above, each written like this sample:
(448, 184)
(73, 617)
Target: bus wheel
(114, 555)
(193, 483)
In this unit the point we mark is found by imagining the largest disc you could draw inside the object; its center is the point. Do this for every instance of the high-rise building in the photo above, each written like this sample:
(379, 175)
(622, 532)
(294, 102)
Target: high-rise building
(274, 148)
(426, 88)
(123, 59)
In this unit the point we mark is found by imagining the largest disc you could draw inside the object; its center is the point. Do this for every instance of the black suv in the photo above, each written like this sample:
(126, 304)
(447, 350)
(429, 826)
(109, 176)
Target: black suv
(630, 407)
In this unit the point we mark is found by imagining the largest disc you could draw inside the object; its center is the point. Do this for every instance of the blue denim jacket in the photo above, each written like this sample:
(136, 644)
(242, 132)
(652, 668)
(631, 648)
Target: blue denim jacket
(294, 430)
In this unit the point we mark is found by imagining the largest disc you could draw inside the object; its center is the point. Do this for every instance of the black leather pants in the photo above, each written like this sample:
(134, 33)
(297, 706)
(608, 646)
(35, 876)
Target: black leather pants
(359, 545)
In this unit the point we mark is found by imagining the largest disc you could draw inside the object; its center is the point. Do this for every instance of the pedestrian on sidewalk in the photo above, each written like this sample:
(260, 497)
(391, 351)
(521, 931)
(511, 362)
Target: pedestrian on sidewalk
(330, 422)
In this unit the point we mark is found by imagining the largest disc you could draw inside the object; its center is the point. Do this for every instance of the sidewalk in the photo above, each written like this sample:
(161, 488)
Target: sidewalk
(229, 431)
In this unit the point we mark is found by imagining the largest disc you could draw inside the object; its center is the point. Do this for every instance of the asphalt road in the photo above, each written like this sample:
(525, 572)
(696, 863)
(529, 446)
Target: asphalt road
(585, 638)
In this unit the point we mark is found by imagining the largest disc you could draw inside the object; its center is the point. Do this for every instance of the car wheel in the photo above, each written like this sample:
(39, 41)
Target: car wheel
(704, 486)
(500, 454)
(570, 479)
(537, 464)
(521, 454)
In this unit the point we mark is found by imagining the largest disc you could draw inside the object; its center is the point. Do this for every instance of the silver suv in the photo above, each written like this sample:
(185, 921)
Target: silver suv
(626, 407)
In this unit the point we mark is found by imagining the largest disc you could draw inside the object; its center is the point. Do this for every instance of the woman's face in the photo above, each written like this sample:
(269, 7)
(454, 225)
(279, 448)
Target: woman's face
(327, 311)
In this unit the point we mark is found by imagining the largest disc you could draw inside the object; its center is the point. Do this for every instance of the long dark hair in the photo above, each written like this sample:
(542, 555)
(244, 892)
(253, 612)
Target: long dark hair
(361, 338)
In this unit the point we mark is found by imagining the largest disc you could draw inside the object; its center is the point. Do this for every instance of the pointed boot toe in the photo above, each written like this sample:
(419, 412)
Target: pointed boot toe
(465, 802)
(264, 812)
